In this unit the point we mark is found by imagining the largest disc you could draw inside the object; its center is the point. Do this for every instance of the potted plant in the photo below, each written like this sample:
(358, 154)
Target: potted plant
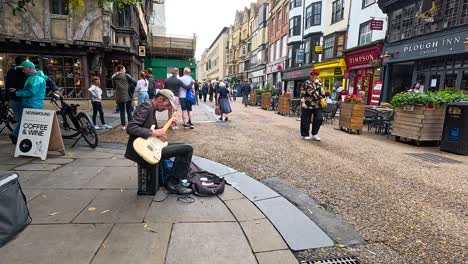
(420, 116)
(283, 103)
(352, 114)
(266, 98)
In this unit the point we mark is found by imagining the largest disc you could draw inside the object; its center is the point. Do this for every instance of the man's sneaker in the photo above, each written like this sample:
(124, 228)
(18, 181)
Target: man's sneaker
(97, 127)
(315, 137)
(124, 127)
(178, 188)
(221, 119)
(306, 138)
(190, 125)
(106, 126)
(185, 126)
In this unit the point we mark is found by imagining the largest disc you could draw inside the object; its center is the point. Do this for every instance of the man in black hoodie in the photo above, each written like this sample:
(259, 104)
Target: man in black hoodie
(15, 79)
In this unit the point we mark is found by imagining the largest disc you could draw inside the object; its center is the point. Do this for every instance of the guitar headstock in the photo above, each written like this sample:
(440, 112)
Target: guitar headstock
(175, 116)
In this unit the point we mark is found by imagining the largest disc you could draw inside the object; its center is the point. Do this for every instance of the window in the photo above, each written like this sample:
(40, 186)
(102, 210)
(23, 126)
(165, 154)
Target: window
(123, 17)
(278, 20)
(366, 3)
(295, 3)
(328, 45)
(337, 10)
(59, 7)
(272, 52)
(295, 26)
(365, 34)
(285, 46)
(67, 73)
(292, 50)
(272, 26)
(307, 52)
(340, 43)
(313, 14)
(278, 49)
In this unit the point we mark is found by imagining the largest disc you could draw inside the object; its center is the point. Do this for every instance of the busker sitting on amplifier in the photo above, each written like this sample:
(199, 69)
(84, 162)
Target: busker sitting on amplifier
(143, 118)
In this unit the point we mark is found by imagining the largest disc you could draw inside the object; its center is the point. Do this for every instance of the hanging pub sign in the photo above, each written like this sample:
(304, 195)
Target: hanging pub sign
(300, 56)
(141, 51)
(318, 49)
(376, 24)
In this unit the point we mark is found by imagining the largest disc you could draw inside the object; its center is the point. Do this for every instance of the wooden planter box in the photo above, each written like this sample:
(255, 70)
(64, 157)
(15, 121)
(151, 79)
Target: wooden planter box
(266, 101)
(283, 105)
(418, 123)
(352, 117)
(253, 98)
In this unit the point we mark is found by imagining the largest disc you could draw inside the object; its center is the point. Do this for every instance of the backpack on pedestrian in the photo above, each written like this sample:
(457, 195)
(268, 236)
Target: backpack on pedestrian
(151, 87)
(204, 183)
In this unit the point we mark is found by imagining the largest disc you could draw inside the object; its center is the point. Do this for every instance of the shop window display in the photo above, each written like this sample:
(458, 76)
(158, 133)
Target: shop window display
(66, 73)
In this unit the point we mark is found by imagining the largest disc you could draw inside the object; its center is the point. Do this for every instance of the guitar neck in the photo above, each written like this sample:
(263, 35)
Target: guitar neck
(168, 124)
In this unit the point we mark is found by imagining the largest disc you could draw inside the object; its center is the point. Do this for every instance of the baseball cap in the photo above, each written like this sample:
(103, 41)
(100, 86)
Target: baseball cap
(170, 96)
(26, 64)
(314, 72)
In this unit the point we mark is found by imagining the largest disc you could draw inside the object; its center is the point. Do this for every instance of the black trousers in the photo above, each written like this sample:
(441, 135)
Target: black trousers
(125, 106)
(183, 157)
(306, 117)
(204, 97)
(97, 107)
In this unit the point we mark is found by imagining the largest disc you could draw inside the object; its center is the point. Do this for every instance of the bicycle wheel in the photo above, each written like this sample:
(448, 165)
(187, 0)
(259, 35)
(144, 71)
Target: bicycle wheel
(9, 119)
(298, 111)
(87, 129)
(67, 128)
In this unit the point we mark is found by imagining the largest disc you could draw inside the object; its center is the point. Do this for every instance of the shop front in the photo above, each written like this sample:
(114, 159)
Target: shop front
(363, 72)
(331, 74)
(257, 76)
(295, 78)
(438, 61)
(273, 72)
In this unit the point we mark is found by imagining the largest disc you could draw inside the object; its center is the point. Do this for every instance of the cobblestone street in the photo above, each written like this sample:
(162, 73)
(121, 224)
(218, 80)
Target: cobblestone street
(406, 209)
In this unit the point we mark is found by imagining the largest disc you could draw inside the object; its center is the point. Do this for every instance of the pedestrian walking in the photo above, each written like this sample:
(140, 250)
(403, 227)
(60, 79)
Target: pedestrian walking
(197, 90)
(223, 101)
(152, 89)
(173, 83)
(96, 99)
(245, 92)
(200, 92)
(184, 103)
(205, 90)
(141, 89)
(216, 93)
(121, 83)
(310, 103)
(210, 92)
(15, 79)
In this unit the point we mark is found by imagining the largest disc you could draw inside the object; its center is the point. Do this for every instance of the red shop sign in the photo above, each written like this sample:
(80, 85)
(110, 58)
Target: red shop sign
(376, 24)
(362, 59)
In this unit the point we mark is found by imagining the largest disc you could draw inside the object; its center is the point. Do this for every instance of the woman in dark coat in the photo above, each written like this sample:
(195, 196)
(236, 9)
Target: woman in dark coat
(223, 101)
(210, 92)
(121, 81)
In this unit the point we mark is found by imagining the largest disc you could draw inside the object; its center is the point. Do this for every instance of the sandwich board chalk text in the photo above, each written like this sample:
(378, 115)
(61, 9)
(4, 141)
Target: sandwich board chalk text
(39, 133)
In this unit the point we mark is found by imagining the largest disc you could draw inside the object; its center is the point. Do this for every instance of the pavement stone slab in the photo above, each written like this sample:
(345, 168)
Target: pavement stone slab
(135, 243)
(67, 177)
(230, 194)
(103, 163)
(31, 194)
(111, 150)
(87, 154)
(7, 167)
(59, 206)
(244, 210)
(10, 160)
(71, 244)
(296, 228)
(213, 167)
(226, 244)
(276, 257)
(123, 207)
(161, 195)
(37, 167)
(251, 188)
(59, 161)
(175, 210)
(263, 236)
(115, 178)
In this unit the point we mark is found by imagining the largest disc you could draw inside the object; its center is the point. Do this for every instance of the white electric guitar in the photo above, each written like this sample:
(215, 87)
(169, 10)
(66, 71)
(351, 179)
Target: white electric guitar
(150, 149)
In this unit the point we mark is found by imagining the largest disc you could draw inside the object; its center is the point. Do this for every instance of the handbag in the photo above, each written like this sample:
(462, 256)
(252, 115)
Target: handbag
(217, 110)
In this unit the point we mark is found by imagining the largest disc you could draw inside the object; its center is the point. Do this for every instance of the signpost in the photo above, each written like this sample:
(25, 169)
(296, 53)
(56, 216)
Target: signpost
(39, 133)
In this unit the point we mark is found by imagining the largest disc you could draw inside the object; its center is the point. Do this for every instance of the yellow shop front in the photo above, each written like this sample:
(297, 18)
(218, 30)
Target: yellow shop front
(331, 74)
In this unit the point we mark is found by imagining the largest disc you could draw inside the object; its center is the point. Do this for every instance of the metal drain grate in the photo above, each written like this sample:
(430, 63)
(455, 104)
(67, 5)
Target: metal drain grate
(432, 158)
(344, 260)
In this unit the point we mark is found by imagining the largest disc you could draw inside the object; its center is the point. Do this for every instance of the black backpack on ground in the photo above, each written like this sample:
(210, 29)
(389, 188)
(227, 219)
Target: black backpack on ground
(14, 213)
(205, 183)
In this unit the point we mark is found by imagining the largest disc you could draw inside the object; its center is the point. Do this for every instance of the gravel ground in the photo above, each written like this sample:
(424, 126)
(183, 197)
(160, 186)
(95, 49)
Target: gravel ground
(408, 210)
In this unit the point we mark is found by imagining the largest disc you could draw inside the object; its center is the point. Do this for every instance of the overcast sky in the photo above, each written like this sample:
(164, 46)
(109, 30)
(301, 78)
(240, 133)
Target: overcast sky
(205, 18)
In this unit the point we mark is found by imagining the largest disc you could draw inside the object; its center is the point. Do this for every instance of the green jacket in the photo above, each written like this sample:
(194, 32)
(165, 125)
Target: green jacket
(121, 82)
(33, 93)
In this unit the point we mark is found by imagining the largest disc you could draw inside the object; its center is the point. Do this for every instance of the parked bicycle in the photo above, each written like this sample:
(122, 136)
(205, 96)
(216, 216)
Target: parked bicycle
(73, 123)
(7, 117)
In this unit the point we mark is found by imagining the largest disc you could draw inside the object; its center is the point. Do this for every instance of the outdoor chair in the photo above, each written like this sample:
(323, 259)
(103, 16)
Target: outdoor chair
(329, 112)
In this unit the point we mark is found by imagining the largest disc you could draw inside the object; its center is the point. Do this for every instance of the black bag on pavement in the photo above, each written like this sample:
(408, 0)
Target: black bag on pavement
(14, 213)
(205, 183)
